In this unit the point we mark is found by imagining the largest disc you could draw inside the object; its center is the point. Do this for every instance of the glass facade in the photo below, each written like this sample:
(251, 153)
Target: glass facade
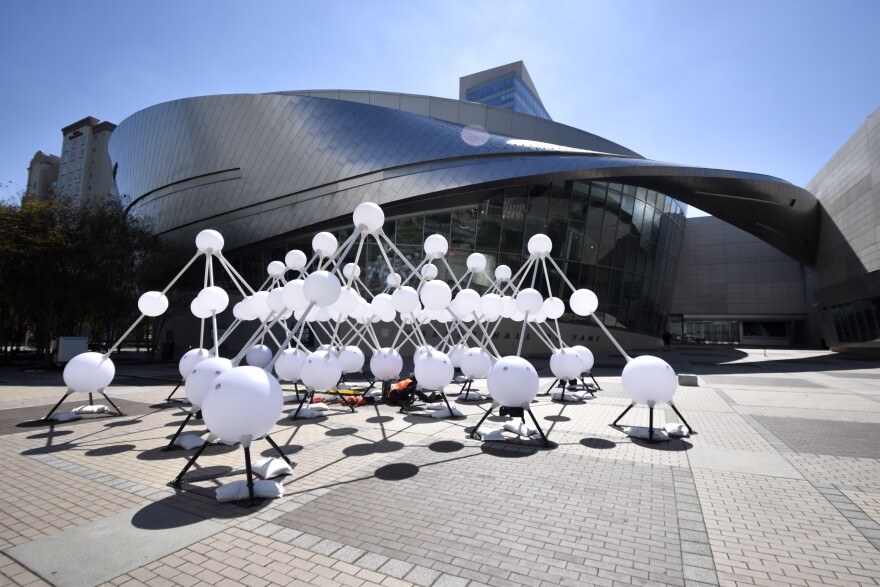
(509, 92)
(620, 241)
(858, 321)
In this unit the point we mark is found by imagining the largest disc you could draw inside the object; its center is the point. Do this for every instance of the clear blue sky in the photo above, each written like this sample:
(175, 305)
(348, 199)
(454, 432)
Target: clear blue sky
(767, 86)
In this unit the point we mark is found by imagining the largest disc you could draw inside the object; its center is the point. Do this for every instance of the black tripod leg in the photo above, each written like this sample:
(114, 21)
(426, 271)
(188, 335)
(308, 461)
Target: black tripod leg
(190, 463)
(549, 389)
(446, 401)
(677, 413)
(538, 426)
(56, 406)
(179, 430)
(250, 474)
(91, 400)
(118, 411)
(301, 402)
(483, 419)
(168, 399)
(278, 449)
(623, 414)
(650, 423)
(595, 382)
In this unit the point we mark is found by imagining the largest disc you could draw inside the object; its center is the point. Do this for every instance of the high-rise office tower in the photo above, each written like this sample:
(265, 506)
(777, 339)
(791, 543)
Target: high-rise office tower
(509, 87)
(86, 175)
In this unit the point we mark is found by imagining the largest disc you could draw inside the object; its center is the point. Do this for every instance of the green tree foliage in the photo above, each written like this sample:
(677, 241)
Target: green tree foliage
(69, 270)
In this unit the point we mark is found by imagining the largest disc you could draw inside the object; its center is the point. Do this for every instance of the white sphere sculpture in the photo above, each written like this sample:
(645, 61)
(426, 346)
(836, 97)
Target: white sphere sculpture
(347, 302)
(476, 363)
(429, 272)
(529, 300)
(509, 306)
(383, 307)
(321, 370)
(259, 356)
(368, 216)
(436, 246)
(421, 351)
(435, 294)
(583, 302)
(351, 359)
(539, 245)
(649, 380)
(566, 364)
(491, 306)
(434, 370)
(190, 359)
(295, 259)
(209, 241)
(259, 303)
(512, 382)
(586, 356)
(325, 244)
(88, 372)
(198, 310)
(321, 288)
(503, 273)
(351, 271)
(406, 300)
(152, 303)
(293, 295)
(476, 262)
(243, 404)
(199, 379)
(386, 364)
(468, 301)
(289, 364)
(553, 308)
(213, 298)
(393, 280)
(456, 353)
(275, 301)
(276, 268)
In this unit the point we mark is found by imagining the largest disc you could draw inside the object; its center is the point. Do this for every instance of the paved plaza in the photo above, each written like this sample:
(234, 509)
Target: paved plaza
(779, 486)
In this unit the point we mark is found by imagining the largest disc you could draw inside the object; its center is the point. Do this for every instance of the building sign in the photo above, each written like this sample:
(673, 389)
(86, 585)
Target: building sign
(74, 134)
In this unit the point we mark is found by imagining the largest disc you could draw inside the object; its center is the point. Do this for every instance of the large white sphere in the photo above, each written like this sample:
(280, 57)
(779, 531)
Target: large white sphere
(467, 301)
(456, 353)
(476, 363)
(421, 351)
(275, 301)
(276, 268)
(213, 298)
(88, 372)
(322, 288)
(209, 240)
(321, 370)
(259, 355)
(190, 359)
(491, 306)
(198, 310)
(368, 216)
(289, 364)
(351, 359)
(393, 280)
(586, 356)
(244, 401)
(405, 300)
(259, 303)
(476, 262)
(553, 308)
(152, 303)
(434, 370)
(566, 364)
(512, 382)
(295, 259)
(347, 302)
(435, 294)
(351, 271)
(529, 300)
(436, 246)
(509, 306)
(386, 364)
(583, 302)
(649, 379)
(539, 245)
(383, 307)
(199, 379)
(293, 296)
(503, 273)
(325, 244)
(243, 310)
(429, 271)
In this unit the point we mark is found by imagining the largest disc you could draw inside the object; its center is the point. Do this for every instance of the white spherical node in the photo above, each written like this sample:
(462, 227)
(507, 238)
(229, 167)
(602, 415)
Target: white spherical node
(369, 216)
(405, 300)
(246, 309)
(209, 240)
(435, 294)
(476, 363)
(88, 372)
(467, 301)
(199, 379)
(198, 310)
(476, 262)
(351, 271)
(190, 359)
(393, 280)
(321, 370)
(383, 307)
(275, 301)
(325, 244)
(456, 353)
(540, 245)
(259, 303)
(509, 308)
(276, 268)
(512, 382)
(429, 272)
(553, 308)
(152, 303)
(295, 259)
(322, 288)
(436, 246)
(649, 379)
(421, 351)
(213, 299)
(242, 402)
(503, 273)
(566, 364)
(351, 359)
(386, 364)
(583, 302)
(259, 355)
(347, 302)
(586, 356)
(289, 364)
(529, 300)
(293, 296)
(434, 370)
(491, 306)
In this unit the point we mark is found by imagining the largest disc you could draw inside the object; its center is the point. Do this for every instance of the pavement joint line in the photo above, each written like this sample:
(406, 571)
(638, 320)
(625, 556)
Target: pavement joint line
(696, 555)
(771, 438)
(860, 519)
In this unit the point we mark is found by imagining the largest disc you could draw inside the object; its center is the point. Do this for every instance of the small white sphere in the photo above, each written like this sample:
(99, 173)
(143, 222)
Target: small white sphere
(509, 308)
(259, 355)
(275, 301)
(88, 372)
(648, 379)
(244, 401)
(583, 302)
(190, 359)
(198, 310)
(429, 271)
(476, 363)
(529, 300)
(586, 356)
(468, 301)
(393, 280)
(553, 308)
(539, 245)
(434, 370)
(214, 299)
(289, 364)
(325, 244)
(259, 303)
(436, 246)
(566, 364)
(383, 307)
(386, 364)
(456, 353)
(503, 273)
(491, 306)
(368, 216)
(295, 259)
(321, 370)
(351, 359)
(347, 302)
(293, 295)
(246, 310)
(351, 271)
(435, 294)
(199, 379)
(476, 262)
(512, 382)
(406, 300)
(322, 288)
(209, 240)
(152, 303)
(421, 351)
(276, 268)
